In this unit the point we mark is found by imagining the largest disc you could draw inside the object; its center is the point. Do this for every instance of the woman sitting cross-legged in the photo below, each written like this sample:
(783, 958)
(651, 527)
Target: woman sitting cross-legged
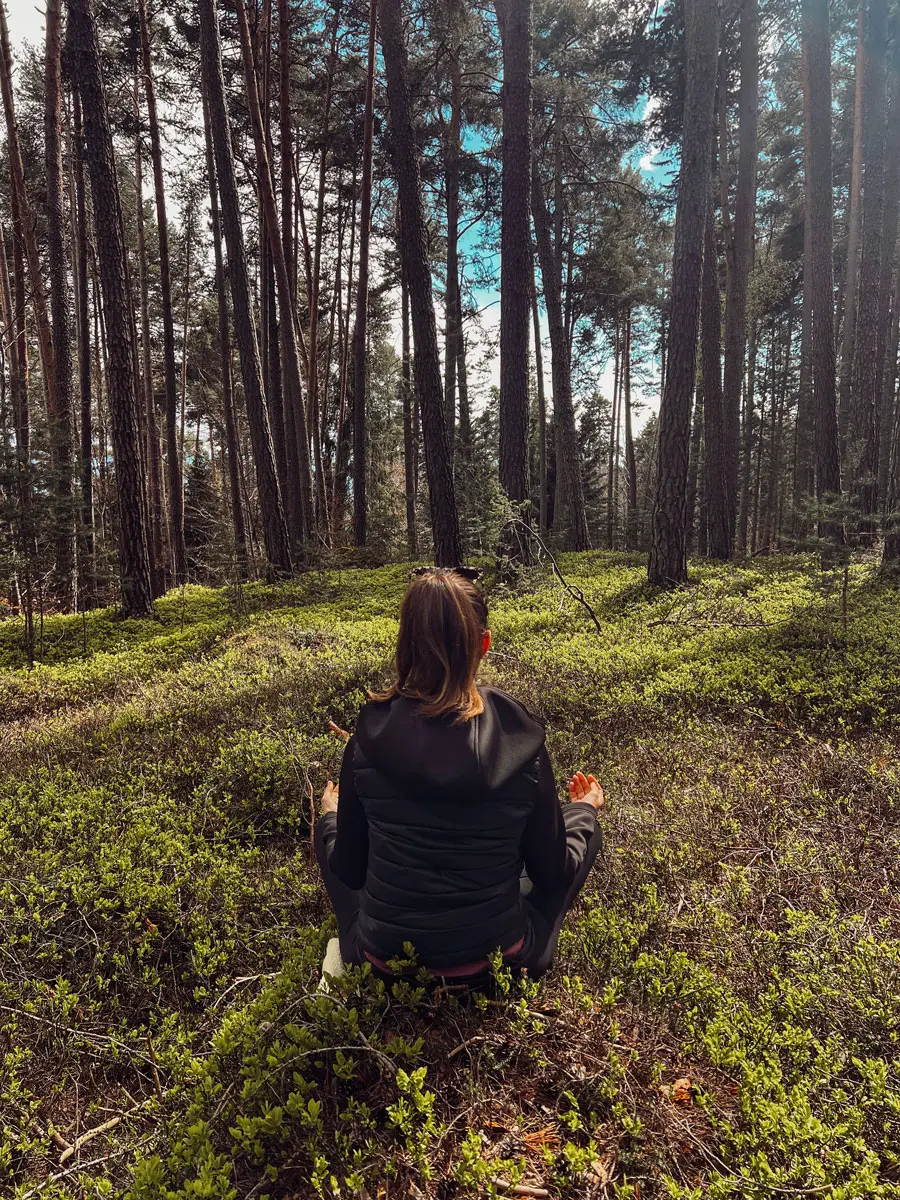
(446, 794)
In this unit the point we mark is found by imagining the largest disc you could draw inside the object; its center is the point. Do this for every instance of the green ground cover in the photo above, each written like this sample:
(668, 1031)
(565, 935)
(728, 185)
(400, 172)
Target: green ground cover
(725, 1016)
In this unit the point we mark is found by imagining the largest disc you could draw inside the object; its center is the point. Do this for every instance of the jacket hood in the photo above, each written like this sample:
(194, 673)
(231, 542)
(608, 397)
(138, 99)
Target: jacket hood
(420, 753)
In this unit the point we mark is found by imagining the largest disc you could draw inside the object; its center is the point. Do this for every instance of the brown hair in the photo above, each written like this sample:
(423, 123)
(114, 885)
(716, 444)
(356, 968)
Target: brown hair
(443, 620)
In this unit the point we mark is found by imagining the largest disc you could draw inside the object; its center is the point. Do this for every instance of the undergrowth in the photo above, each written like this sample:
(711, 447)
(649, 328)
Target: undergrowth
(725, 1014)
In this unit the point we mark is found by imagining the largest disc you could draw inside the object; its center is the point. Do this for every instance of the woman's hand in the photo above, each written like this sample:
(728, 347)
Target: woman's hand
(584, 789)
(330, 798)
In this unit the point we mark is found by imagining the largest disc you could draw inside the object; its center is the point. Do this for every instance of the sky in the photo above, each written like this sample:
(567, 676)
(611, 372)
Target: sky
(25, 20)
(26, 24)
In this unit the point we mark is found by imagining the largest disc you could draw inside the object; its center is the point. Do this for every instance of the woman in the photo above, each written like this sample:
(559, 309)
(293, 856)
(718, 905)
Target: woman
(446, 793)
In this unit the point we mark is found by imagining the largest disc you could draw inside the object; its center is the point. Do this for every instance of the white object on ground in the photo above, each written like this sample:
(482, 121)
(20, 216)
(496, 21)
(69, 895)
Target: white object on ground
(332, 965)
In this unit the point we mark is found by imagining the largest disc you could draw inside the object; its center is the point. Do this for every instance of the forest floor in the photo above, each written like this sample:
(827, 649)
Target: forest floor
(724, 1019)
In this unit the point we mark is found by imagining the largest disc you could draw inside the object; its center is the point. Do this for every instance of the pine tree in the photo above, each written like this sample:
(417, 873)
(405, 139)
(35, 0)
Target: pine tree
(134, 557)
(668, 552)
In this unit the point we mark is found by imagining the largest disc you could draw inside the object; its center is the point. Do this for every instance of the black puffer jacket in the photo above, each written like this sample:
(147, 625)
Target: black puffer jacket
(436, 821)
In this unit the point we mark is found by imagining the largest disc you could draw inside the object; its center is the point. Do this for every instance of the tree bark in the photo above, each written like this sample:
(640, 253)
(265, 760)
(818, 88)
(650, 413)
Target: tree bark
(452, 300)
(285, 133)
(231, 439)
(696, 499)
(86, 556)
(60, 416)
(744, 229)
(631, 484)
(134, 558)
(804, 450)
(414, 254)
(884, 395)
(360, 328)
(464, 421)
(26, 218)
(568, 457)
(316, 274)
(853, 225)
(668, 553)
(747, 444)
(515, 21)
(864, 408)
(543, 498)
(290, 340)
(613, 452)
(410, 455)
(13, 315)
(717, 492)
(173, 463)
(817, 38)
(275, 533)
(153, 457)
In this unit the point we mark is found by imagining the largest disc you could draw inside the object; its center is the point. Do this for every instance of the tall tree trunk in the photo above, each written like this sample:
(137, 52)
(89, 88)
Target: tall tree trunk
(747, 444)
(316, 275)
(13, 315)
(414, 254)
(744, 229)
(464, 424)
(717, 492)
(185, 326)
(848, 336)
(342, 445)
(779, 399)
(542, 408)
(410, 455)
(631, 492)
(334, 329)
(452, 313)
(173, 462)
(153, 458)
(768, 373)
(889, 409)
(275, 533)
(26, 218)
(612, 455)
(668, 552)
(864, 407)
(804, 451)
(134, 558)
(696, 498)
(60, 416)
(817, 38)
(515, 21)
(289, 329)
(568, 457)
(884, 396)
(360, 328)
(285, 134)
(231, 439)
(86, 555)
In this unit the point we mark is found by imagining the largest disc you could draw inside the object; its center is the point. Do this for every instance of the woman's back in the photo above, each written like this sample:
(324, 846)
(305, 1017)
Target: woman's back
(446, 808)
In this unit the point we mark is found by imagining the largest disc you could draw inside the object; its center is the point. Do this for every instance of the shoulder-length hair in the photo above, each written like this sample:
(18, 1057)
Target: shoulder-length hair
(443, 620)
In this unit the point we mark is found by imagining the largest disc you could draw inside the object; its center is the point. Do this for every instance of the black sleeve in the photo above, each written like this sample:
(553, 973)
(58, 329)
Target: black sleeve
(555, 840)
(346, 835)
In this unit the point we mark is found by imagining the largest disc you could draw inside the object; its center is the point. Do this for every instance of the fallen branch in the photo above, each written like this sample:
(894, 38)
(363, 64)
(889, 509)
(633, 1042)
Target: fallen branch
(462, 1046)
(237, 982)
(96, 1132)
(94, 1162)
(520, 1189)
(570, 588)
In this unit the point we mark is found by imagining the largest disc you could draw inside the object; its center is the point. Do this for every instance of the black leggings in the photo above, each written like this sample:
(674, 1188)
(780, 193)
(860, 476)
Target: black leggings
(546, 912)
